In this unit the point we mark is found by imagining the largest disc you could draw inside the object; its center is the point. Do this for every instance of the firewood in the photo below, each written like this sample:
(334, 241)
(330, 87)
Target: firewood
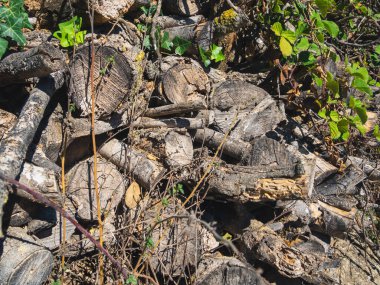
(182, 7)
(23, 260)
(114, 80)
(178, 149)
(80, 184)
(13, 148)
(369, 168)
(224, 270)
(36, 62)
(174, 122)
(181, 108)
(7, 120)
(146, 171)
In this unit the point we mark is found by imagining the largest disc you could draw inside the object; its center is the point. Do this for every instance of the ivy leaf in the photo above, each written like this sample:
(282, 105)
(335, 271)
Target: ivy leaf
(181, 45)
(165, 42)
(217, 53)
(13, 31)
(289, 35)
(324, 6)
(3, 47)
(205, 57)
(285, 47)
(277, 28)
(331, 27)
(132, 280)
(334, 116)
(334, 131)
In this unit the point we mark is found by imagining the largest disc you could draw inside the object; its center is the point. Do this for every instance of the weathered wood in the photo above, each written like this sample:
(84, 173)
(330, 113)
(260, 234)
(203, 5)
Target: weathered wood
(261, 242)
(182, 7)
(225, 270)
(7, 120)
(114, 79)
(166, 22)
(182, 108)
(13, 148)
(252, 108)
(175, 122)
(81, 189)
(178, 149)
(36, 62)
(147, 172)
(44, 218)
(185, 82)
(234, 148)
(369, 168)
(23, 260)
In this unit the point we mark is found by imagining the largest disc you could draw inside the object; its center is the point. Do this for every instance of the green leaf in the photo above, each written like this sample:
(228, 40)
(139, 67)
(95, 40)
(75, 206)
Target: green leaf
(361, 85)
(301, 27)
(331, 27)
(289, 35)
(377, 49)
(277, 28)
(285, 47)
(362, 113)
(332, 85)
(217, 53)
(181, 45)
(205, 57)
(132, 280)
(345, 136)
(325, 6)
(14, 32)
(322, 113)
(376, 132)
(303, 44)
(343, 125)
(334, 116)
(146, 42)
(334, 131)
(321, 37)
(165, 42)
(3, 47)
(362, 73)
(359, 125)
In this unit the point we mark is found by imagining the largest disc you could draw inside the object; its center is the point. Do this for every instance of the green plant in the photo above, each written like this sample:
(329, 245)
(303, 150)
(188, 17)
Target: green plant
(177, 189)
(13, 18)
(149, 243)
(180, 45)
(69, 33)
(214, 53)
(109, 61)
(131, 280)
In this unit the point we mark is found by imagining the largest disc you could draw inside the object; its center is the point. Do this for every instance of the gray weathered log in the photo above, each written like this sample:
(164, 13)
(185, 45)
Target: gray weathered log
(172, 109)
(14, 147)
(175, 122)
(147, 172)
(23, 260)
(7, 120)
(225, 270)
(369, 168)
(36, 62)
(178, 149)
(182, 7)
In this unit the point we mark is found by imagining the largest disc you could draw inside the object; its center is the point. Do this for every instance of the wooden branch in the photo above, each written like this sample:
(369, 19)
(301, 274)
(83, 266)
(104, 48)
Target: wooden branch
(173, 109)
(36, 62)
(147, 172)
(175, 122)
(14, 147)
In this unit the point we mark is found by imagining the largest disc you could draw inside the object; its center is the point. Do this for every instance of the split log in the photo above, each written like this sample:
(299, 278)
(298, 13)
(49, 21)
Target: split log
(296, 211)
(173, 109)
(166, 22)
(14, 147)
(147, 172)
(323, 170)
(251, 107)
(175, 122)
(185, 82)
(178, 149)
(369, 168)
(261, 242)
(81, 191)
(36, 62)
(23, 260)
(114, 80)
(224, 270)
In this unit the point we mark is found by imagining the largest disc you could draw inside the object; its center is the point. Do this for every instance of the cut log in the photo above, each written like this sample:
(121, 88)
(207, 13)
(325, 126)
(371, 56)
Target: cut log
(224, 270)
(369, 168)
(23, 260)
(147, 172)
(36, 62)
(114, 80)
(14, 147)
(176, 122)
(81, 191)
(173, 109)
(178, 149)
(185, 82)
(251, 107)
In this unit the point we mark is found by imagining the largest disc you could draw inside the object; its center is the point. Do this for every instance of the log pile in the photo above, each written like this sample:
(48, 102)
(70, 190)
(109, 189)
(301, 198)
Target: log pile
(186, 156)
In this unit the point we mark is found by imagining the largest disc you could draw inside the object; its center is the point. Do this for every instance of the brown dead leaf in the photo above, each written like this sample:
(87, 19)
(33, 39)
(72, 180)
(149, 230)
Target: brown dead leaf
(133, 195)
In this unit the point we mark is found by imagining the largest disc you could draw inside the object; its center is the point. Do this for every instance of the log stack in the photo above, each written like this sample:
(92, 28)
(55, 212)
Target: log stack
(187, 157)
